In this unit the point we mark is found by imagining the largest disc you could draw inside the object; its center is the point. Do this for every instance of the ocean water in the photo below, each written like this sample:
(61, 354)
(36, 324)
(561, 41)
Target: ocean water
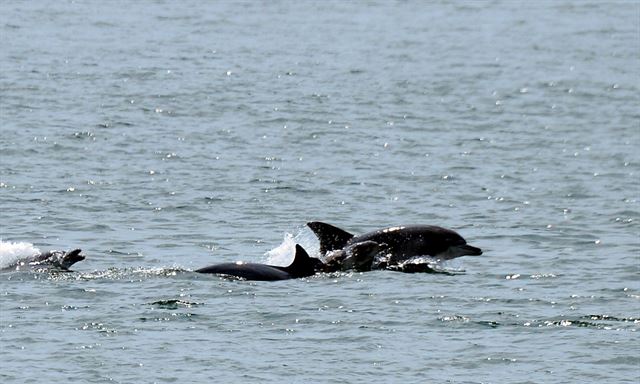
(164, 136)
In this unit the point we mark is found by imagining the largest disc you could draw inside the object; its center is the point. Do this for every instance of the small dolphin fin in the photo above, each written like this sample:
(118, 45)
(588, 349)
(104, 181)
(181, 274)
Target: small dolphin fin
(302, 265)
(331, 238)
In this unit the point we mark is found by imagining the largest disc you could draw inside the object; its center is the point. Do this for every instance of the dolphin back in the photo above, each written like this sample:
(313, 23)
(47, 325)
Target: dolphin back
(248, 271)
(302, 266)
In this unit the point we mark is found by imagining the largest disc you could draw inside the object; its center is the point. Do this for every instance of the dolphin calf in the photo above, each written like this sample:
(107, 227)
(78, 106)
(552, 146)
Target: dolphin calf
(358, 257)
(62, 260)
(398, 244)
(302, 266)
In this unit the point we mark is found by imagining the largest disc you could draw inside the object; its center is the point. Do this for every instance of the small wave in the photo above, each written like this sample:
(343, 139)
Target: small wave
(11, 253)
(174, 304)
(139, 273)
(612, 318)
(599, 322)
(427, 264)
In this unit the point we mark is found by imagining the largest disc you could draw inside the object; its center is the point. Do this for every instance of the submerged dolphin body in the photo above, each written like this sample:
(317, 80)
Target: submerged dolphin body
(400, 243)
(62, 260)
(302, 266)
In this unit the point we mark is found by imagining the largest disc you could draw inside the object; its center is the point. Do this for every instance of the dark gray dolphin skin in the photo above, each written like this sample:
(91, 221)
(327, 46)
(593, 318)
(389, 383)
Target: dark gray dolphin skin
(61, 260)
(302, 266)
(358, 257)
(401, 242)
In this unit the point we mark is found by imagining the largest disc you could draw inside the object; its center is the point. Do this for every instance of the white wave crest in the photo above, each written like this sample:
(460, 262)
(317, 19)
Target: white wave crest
(283, 254)
(11, 253)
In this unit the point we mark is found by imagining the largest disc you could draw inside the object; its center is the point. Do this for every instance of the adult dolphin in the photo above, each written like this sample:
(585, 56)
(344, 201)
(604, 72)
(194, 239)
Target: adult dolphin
(401, 243)
(302, 266)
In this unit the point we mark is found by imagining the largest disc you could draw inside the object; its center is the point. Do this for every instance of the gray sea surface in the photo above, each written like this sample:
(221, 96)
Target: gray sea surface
(164, 136)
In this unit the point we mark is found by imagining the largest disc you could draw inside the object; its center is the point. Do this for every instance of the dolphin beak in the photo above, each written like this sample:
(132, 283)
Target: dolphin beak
(459, 250)
(74, 256)
(470, 250)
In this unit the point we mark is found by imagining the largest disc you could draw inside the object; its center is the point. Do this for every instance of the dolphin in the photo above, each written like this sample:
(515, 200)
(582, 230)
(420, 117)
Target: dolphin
(62, 260)
(302, 266)
(401, 243)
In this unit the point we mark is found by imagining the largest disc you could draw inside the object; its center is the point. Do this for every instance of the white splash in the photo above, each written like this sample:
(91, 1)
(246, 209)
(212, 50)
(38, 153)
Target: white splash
(11, 253)
(283, 254)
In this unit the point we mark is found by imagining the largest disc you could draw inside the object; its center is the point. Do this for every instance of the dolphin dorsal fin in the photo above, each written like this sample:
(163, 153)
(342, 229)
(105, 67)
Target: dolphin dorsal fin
(302, 265)
(331, 238)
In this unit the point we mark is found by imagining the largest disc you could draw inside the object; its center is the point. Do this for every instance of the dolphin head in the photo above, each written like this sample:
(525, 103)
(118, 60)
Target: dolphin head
(458, 250)
(65, 260)
(443, 243)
